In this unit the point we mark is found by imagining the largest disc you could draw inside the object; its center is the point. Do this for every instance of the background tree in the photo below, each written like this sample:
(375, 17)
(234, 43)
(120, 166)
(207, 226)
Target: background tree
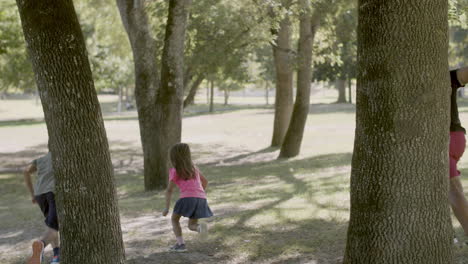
(81, 160)
(282, 54)
(399, 169)
(158, 97)
(308, 26)
(335, 59)
(15, 68)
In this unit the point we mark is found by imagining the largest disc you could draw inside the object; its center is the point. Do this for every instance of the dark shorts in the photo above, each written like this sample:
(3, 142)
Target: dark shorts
(456, 150)
(192, 207)
(46, 202)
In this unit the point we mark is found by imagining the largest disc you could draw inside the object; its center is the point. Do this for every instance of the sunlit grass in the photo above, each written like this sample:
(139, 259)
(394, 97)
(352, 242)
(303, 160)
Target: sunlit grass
(266, 211)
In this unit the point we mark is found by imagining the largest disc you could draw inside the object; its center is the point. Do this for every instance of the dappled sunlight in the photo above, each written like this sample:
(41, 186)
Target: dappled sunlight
(266, 210)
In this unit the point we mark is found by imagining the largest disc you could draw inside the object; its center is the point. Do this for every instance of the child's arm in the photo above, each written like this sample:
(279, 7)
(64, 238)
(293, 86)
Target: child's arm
(204, 181)
(169, 190)
(30, 169)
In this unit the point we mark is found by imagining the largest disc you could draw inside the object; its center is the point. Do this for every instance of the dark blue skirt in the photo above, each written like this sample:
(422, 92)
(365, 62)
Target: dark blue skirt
(192, 207)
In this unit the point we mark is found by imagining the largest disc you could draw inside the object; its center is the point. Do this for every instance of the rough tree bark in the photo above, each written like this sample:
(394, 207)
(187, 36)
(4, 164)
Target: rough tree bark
(308, 26)
(341, 87)
(399, 184)
(85, 192)
(169, 101)
(157, 100)
(284, 82)
(193, 90)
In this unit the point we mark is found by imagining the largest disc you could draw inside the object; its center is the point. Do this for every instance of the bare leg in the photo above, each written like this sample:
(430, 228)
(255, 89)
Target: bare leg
(175, 219)
(51, 237)
(459, 203)
(193, 224)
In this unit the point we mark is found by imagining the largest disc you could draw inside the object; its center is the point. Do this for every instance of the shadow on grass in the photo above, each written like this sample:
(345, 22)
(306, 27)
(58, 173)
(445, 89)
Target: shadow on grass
(299, 241)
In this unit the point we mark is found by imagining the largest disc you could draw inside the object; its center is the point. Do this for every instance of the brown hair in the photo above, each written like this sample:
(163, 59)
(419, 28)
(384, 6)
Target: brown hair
(182, 161)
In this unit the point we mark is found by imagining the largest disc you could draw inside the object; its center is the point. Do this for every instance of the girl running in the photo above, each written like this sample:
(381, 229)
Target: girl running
(192, 202)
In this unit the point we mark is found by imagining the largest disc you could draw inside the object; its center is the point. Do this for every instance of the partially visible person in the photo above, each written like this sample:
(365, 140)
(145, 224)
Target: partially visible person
(458, 202)
(43, 195)
(192, 202)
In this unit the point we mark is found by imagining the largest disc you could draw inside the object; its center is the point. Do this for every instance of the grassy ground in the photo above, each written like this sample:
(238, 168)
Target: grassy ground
(266, 211)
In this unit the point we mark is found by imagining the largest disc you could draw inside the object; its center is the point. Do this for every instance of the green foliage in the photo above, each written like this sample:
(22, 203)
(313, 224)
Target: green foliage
(108, 48)
(336, 45)
(107, 44)
(15, 68)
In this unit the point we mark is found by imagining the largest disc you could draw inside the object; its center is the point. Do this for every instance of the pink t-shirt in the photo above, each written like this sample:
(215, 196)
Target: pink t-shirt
(188, 188)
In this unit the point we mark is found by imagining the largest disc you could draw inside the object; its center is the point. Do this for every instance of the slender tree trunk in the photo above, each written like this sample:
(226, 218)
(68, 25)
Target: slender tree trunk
(136, 24)
(212, 96)
(341, 87)
(119, 104)
(350, 90)
(399, 179)
(267, 96)
(284, 82)
(207, 92)
(226, 96)
(170, 96)
(190, 99)
(308, 26)
(155, 97)
(85, 192)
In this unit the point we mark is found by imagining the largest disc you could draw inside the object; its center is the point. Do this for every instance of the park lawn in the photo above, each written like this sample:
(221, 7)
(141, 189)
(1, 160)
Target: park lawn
(266, 211)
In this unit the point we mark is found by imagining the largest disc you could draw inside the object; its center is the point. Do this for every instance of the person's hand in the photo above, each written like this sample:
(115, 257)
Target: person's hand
(33, 200)
(165, 212)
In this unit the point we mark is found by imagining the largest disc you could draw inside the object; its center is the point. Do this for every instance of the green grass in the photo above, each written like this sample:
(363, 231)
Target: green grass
(266, 210)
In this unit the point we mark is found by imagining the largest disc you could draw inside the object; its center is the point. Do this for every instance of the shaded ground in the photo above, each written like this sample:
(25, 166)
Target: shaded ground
(266, 211)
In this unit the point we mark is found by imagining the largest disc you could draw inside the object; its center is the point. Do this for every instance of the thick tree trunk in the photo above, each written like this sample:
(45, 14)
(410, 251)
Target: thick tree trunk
(190, 99)
(341, 87)
(211, 96)
(399, 179)
(284, 82)
(86, 199)
(155, 98)
(308, 26)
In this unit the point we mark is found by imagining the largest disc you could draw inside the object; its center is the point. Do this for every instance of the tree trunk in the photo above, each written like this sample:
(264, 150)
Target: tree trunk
(284, 82)
(119, 104)
(193, 91)
(308, 26)
(170, 96)
(226, 96)
(267, 96)
(341, 87)
(86, 199)
(150, 91)
(212, 97)
(399, 179)
(350, 90)
(207, 92)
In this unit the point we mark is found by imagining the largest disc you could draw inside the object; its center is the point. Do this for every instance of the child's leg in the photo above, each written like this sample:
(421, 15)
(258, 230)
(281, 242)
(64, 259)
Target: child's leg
(459, 203)
(51, 237)
(175, 219)
(193, 224)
